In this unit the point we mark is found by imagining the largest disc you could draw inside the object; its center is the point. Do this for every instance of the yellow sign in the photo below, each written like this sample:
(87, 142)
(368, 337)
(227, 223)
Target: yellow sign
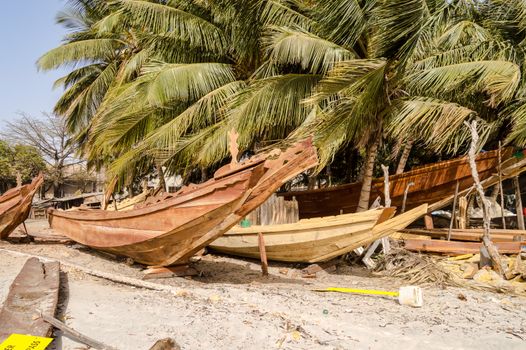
(25, 342)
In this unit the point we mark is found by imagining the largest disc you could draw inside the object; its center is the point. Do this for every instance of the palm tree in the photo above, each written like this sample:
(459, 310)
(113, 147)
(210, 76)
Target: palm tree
(162, 82)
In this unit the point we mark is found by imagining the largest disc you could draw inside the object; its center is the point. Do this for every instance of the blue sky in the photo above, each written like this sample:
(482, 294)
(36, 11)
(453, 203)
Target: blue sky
(27, 30)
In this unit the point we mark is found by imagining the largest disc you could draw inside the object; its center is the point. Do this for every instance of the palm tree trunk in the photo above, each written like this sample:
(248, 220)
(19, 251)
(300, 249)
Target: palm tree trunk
(404, 157)
(365, 193)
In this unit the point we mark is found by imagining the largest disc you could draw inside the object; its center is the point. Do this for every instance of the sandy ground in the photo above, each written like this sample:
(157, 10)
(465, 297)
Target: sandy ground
(231, 306)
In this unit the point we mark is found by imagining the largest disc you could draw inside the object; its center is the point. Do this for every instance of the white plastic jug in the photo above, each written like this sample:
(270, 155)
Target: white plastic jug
(411, 295)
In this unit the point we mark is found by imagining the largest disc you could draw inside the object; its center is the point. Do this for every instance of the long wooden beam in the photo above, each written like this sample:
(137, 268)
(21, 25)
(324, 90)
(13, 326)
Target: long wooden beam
(457, 248)
(473, 235)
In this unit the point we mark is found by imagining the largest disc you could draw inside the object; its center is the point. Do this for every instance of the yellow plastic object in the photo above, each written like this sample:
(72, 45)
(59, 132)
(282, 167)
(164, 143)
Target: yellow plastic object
(361, 291)
(408, 295)
(25, 342)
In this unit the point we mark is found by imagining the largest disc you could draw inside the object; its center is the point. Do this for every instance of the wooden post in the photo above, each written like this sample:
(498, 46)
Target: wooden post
(518, 203)
(453, 212)
(386, 245)
(501, 190)
(428, 220)
(472, 155)
(406, 191)
(462, 212)
(263, 254)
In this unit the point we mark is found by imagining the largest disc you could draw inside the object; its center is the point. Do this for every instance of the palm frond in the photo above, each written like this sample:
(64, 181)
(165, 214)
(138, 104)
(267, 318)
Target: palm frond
(281, 13)
(183, 82)
(285, 46)
(160, 18)
(93, 50)
(437, 123)
(499, 79)
(394, 21)
(517, 114)
(343, 21)
(463, 33)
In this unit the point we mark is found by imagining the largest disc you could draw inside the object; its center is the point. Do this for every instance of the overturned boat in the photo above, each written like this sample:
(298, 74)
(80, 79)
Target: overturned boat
(316, 240)
(169, 229)
(15, 205)
(425, 184)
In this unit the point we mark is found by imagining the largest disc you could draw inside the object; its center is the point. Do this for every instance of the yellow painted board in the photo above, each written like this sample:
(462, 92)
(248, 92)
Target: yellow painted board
(25, 342)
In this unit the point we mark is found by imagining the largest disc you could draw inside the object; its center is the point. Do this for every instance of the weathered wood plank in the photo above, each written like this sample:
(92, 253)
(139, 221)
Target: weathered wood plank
(452, 247)
(34, 290)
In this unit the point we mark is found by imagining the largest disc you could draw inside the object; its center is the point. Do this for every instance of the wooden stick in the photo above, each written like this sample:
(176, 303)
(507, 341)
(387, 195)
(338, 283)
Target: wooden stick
(405, 195)
(25, 228)
(386, 246)
(453, 212)
(75, 335)
(472, 155)
(518, 203)
(263, 254)
(500, 189)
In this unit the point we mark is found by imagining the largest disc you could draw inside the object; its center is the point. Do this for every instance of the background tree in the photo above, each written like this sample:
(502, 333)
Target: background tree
(47, 136)
(19, 160)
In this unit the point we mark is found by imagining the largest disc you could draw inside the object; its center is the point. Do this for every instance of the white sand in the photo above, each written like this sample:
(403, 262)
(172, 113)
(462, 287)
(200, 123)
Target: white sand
(233, 307)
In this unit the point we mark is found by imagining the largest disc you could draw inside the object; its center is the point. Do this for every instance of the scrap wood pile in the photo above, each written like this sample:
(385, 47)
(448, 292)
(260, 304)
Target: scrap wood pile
(458, 271)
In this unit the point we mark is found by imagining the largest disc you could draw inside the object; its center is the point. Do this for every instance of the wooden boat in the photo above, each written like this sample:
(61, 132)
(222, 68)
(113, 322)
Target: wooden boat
(34, 290)
(169, 229)
(316, 240)
(154, 232)
(15, 205)
(431, 183)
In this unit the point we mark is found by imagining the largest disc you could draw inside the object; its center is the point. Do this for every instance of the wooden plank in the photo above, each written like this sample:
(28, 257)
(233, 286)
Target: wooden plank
(263, 254)
(518, 203)
(35, 288)
(474, 235)
(452, 247)
(428, 220)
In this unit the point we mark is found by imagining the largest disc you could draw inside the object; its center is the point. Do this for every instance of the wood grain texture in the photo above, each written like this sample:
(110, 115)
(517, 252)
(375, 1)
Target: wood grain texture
(168, 229)
(431, 183)
(457, 248)
(35, 289)
(15, 205)
(469, 235)
(315, 240)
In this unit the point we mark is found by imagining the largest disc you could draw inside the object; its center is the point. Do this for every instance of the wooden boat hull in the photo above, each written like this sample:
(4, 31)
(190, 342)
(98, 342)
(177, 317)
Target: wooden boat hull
(431, 184)
(169, 229)
(315, 240)
(15, 206)
(153, 233)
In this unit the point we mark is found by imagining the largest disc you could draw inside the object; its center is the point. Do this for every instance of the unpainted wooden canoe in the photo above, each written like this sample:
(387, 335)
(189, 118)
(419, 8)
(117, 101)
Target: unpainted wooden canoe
(15, 205)
(431, 183)
(169, 229)
(316, 240)
(153, 233)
